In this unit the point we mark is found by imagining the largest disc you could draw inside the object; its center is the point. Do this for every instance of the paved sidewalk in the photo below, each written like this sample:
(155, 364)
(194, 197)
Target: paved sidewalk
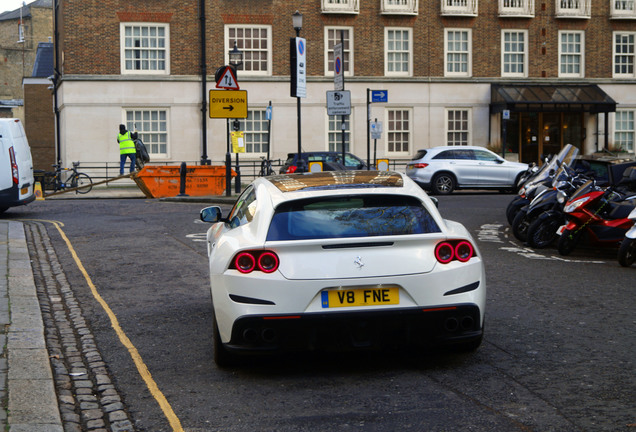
(25, 371)
(28, 399)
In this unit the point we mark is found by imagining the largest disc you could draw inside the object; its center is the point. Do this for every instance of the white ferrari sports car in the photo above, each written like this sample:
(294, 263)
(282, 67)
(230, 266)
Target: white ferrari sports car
(340, 260)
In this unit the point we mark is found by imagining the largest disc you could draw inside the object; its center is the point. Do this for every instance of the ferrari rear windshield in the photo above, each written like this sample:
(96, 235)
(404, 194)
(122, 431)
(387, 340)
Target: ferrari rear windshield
(350, 216)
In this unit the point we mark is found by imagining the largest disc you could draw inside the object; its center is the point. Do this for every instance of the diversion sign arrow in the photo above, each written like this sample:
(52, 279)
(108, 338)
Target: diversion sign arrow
(228, 103)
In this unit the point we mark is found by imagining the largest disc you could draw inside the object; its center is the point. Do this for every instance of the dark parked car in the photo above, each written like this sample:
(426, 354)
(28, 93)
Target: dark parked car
(331, 161)
(606, 170)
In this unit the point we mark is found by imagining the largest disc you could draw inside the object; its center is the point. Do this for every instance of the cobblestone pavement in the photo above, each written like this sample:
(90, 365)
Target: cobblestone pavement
(87, 398)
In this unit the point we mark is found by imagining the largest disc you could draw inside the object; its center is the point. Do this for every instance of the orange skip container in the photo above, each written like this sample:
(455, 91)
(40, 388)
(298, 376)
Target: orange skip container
(165, 181)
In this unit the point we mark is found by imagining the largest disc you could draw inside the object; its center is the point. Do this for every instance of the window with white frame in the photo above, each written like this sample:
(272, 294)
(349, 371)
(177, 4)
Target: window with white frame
(573, 8)
(152, 127)
(399, 7)
(332, 38)
(398, 130)
(254, 41)
(624, 54)
(460, 7)
(623, 9)
(571, 54)
(457, 127)
(145, 48)
(397, 51)
(516, 8)
(255, 133)
(514, 53)
(624, 130)
(340, 6)
(335, 133)
(458, 50)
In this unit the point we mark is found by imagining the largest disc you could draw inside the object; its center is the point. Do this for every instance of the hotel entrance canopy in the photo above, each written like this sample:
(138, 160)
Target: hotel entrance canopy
(550, 98)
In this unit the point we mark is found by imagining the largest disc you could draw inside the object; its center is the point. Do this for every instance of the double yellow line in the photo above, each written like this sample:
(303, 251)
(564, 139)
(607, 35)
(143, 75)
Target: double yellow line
(172, 418)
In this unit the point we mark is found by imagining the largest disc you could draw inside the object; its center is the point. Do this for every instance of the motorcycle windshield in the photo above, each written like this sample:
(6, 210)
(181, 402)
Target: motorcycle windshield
(585, 188)
(566, 156)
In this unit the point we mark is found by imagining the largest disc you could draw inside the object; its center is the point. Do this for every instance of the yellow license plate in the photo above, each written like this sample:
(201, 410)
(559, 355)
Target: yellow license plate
(24, 190)
(360, 297)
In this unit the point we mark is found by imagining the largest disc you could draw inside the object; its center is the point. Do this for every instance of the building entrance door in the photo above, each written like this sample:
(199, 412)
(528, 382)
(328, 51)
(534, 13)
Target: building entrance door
(543, 134)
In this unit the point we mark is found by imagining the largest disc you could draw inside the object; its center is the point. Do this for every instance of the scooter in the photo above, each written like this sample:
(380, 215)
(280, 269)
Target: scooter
(545, 213)
(627, 250)
(540, 181)
(601, 214)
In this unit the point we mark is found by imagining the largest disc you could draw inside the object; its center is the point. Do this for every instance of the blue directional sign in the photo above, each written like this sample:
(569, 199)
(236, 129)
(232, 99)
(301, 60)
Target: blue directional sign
(379, 96)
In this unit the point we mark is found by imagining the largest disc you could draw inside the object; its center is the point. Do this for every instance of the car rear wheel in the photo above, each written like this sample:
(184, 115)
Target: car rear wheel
(443, 184)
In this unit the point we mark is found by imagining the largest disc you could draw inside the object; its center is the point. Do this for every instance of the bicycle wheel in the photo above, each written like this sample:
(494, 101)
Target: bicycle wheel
(83, 182)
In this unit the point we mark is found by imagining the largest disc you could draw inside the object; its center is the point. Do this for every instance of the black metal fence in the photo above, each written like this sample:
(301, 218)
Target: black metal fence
(249, 169)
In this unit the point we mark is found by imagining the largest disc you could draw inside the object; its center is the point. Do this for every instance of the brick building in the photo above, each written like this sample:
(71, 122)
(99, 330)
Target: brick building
(21, 31)
(545, 72)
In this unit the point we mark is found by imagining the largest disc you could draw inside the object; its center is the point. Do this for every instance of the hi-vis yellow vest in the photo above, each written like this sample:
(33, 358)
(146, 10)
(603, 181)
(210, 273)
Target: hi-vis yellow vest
(126, 144)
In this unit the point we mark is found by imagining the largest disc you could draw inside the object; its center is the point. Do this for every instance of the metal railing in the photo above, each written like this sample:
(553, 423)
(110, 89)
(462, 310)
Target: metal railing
(249, 169)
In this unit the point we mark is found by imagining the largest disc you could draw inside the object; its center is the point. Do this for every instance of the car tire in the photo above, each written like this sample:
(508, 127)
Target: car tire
(627, 252)
(222, 357)
(568, 241)
(443, 184)
(543, 231)
(520, 225)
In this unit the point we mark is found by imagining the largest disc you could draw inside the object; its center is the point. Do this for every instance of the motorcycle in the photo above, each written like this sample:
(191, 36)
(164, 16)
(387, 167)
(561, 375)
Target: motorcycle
(627, 250)
(540, 181)
(602, 214)
(538, 223)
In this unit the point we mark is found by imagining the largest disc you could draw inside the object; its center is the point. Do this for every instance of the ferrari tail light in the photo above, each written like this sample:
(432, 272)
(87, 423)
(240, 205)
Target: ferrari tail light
(444, 252)
(14, 166)
(257, 260)
(245, 262)
(268, 262)
(460, 250)
(464, 251)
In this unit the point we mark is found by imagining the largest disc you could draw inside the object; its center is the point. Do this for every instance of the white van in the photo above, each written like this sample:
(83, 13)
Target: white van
(16, 165)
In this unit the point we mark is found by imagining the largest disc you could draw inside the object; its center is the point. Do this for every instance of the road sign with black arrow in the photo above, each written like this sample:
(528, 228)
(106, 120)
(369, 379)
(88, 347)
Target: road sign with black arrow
(228, 103)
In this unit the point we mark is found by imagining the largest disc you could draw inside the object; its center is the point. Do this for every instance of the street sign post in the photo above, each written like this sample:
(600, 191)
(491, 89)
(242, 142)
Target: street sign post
(376, 130)
(338, 68)
(379, 96)
(228, 104)
(339, 102)
(298, 67)
(227, 80)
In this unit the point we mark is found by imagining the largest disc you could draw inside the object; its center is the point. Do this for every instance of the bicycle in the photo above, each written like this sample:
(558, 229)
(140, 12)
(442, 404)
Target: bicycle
(266, 168)
(81, 182)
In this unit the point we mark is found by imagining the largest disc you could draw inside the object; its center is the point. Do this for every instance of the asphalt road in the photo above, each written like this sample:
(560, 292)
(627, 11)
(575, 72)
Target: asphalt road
(558, 352)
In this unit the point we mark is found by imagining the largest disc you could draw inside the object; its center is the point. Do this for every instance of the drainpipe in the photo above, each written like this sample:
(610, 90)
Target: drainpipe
(204, 72)
(56, 79)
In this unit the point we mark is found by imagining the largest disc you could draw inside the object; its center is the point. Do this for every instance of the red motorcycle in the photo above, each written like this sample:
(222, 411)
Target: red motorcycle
(601, 214)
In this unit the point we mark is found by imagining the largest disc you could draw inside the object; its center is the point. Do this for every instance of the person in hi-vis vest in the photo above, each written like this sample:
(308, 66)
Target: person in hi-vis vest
(126, 149)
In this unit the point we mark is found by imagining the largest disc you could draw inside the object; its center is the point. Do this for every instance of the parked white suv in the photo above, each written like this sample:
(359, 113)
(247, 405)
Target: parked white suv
(444, 169)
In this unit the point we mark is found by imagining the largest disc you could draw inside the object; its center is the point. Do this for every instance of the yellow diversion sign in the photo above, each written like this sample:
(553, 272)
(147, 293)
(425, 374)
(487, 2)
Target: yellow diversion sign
(228, 103)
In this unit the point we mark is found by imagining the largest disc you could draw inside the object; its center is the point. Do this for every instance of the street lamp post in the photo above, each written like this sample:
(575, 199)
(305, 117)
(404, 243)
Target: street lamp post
(236, 60)
(297, 23)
